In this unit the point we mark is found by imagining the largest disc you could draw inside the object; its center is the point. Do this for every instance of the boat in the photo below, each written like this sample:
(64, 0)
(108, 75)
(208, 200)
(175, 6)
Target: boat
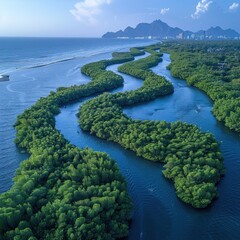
(4, 78)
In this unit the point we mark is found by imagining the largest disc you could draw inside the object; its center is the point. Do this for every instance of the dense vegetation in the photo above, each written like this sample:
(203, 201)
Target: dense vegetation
(192, 159)
(214, 67)
(61, 191)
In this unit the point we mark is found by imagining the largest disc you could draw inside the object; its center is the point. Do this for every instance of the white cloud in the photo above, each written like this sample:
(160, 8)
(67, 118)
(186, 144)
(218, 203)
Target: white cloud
(87, 10)
(234, 6)
(163, 11)
(201, 8)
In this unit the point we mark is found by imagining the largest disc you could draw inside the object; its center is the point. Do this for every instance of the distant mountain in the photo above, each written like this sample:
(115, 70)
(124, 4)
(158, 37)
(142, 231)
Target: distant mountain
(161, 30)
(217, 32)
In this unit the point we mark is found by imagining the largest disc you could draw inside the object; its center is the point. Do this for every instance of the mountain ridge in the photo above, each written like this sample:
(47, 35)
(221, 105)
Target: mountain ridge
(161, 30)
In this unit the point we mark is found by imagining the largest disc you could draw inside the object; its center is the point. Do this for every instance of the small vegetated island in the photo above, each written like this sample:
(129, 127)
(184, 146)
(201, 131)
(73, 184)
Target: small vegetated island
(63, 192)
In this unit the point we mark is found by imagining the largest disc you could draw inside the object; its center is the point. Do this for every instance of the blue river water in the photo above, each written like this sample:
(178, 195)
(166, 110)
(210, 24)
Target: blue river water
(158, 213)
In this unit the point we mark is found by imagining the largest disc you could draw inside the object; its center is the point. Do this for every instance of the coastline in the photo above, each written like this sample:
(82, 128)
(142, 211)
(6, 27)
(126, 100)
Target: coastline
(64, 50)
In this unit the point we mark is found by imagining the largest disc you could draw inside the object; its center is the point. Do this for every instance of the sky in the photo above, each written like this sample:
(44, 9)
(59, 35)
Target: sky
(92, 18)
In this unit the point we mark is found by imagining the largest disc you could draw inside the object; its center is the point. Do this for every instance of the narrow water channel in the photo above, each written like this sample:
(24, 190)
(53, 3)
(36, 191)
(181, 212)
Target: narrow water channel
(158, 214)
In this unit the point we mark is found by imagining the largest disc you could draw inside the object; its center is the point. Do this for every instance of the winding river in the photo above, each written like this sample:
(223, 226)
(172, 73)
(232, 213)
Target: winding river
(158, 214)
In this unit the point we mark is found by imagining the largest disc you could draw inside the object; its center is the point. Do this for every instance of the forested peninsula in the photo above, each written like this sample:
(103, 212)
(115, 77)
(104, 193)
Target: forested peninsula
(193, 160)
(63, 192)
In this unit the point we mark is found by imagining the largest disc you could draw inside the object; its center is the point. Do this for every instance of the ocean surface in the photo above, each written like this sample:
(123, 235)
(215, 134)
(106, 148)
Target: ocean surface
(158, 213)
(20, 53)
